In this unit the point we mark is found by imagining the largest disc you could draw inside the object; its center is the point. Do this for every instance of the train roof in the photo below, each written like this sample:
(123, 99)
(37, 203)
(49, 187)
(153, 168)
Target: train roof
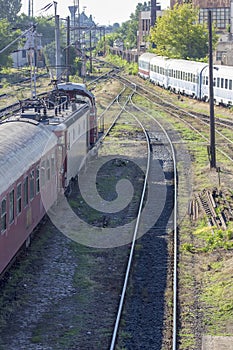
(221, 71)
(147, 56)
(186, 65)
(159, 59)
(80, 88)
(22, 144)
(182, 65)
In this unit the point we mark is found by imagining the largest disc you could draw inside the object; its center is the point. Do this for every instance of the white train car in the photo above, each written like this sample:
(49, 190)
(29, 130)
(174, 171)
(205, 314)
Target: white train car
(222, 84)
(184, 77)
(188, 78)
(144, 65)
(158, 71)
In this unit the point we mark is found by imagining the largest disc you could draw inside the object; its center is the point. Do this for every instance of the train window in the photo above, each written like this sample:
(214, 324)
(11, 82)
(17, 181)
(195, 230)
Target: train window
(48, 169)
(218, 82)
(19, 199)
(226, 83)
(11, 206)
(42, 173)
(207, 80)
(189, 79)
(37, 179)
(222, 83)
(32, 184)
(230, 84)
(3, 215)
(214, 82)
(25, 191)
(53, 169)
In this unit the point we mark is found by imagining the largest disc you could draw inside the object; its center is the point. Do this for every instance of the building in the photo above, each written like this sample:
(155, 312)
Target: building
(220, 11)
(146, 20)
(222, 16)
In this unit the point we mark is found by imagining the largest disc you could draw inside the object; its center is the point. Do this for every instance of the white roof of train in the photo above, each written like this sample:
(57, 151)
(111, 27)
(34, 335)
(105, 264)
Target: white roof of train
(21, 145)
(186, 66)
(223, 71)
(182, 65)
(159, 59)
(147, 56)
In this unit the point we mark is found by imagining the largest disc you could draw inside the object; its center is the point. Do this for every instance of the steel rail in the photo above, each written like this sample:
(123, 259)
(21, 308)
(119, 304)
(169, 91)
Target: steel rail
(175, 233)
(178, 117)
(128, 269)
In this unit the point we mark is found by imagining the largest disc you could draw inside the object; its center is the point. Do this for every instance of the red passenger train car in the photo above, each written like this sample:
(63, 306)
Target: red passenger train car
(41, 150)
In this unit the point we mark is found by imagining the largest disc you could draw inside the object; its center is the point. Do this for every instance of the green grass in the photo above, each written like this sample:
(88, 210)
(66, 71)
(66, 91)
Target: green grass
(217, 294)
(129, 68)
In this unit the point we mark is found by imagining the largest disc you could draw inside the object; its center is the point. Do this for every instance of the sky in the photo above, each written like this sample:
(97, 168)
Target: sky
(104, 12)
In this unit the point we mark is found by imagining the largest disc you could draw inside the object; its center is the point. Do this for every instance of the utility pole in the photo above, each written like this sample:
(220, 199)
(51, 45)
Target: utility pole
(57, 42)
(68, 49)
(90, 52)
(211, 93)
(83, 48)
(153, 12)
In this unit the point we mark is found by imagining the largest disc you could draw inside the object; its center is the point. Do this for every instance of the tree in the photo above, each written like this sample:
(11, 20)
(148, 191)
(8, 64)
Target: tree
(5, 29)
(128, 29)
(177, 34)
(45, 26)
(10, 9)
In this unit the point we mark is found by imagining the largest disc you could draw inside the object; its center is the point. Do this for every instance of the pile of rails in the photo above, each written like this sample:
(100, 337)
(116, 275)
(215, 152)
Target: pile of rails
(215, 204)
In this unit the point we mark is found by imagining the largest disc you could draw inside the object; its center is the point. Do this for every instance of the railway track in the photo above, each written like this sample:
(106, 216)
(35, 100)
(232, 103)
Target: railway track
(148, 323)
(197, 122)
(156, 137)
